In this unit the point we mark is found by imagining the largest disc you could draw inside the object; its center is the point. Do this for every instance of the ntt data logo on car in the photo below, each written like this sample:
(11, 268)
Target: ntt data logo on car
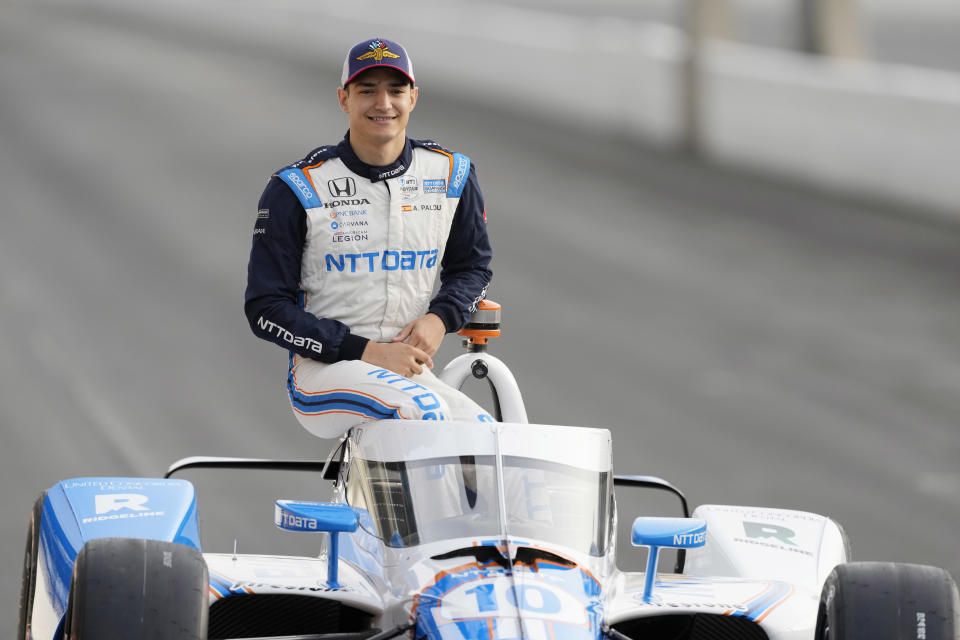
(298, 522)
(690, 539)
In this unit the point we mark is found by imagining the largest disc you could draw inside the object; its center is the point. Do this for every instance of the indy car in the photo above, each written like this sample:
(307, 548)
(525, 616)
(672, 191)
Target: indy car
(453, 531)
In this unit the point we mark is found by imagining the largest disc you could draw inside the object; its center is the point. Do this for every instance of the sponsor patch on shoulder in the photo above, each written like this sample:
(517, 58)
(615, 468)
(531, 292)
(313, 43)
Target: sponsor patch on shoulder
(435, 186)
(263, 214)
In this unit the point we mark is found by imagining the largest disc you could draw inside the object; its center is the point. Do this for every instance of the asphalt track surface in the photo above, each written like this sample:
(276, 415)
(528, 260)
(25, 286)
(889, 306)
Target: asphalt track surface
(751, 342)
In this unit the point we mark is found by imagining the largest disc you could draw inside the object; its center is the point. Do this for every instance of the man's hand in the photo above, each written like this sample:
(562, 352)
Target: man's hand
(425, 333)
(398, 357)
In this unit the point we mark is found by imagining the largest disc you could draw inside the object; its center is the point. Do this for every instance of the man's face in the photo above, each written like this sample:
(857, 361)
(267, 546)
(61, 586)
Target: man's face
(378, 103)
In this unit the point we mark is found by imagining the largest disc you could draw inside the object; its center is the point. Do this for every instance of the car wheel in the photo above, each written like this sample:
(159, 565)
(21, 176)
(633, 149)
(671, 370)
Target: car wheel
(132, 588)
(28, 583)
(888, 601)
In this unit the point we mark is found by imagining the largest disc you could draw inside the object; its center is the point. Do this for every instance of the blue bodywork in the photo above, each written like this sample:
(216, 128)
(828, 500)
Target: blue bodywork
(82, 509)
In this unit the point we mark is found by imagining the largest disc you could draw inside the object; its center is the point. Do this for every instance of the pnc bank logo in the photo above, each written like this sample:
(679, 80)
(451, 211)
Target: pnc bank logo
(342, 187)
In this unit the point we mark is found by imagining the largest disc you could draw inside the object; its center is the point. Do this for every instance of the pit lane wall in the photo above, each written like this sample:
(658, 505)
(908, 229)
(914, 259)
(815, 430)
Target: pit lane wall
(883, 132)
(887, 133)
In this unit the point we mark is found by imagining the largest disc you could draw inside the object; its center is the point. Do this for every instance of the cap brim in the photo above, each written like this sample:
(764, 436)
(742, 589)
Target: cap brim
(375, 66)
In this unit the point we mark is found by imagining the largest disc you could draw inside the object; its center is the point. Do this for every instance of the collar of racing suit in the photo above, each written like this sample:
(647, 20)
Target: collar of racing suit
(375, 174)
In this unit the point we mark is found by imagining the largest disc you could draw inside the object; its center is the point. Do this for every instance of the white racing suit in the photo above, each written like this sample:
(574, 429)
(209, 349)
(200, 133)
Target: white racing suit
(343, 253)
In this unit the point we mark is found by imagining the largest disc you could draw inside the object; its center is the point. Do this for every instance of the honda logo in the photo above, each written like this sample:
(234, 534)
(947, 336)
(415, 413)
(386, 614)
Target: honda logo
(342, 187)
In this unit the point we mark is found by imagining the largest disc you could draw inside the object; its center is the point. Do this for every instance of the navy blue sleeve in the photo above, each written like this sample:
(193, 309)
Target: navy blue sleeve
(465, 270)
(272, 300)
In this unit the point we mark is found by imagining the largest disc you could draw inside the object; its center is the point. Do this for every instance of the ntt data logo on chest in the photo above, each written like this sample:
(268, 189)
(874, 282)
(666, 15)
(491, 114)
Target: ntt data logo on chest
(373, 261)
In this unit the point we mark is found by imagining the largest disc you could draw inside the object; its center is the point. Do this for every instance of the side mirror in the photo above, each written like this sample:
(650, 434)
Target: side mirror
(671, 533)
(652, 482)
(334, 518)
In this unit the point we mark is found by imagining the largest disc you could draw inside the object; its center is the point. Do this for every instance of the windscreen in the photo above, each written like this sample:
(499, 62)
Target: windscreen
(425, 501)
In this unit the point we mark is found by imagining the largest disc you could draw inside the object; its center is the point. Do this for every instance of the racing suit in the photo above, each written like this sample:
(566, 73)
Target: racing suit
(343, 253)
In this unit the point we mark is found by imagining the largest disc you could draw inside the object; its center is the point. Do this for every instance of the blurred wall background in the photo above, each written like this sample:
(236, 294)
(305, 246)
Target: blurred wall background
(763, 313)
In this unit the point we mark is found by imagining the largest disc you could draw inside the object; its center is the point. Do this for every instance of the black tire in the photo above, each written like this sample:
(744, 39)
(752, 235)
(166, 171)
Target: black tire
(28, 583)
(137, 589)
(888, 601)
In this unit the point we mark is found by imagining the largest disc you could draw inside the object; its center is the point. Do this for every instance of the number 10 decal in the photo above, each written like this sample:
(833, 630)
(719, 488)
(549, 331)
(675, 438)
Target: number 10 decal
(526, 597)
(499, 597)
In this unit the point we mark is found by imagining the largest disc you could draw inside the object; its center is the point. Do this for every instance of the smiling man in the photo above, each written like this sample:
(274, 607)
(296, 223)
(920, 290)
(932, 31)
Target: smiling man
(347, 248)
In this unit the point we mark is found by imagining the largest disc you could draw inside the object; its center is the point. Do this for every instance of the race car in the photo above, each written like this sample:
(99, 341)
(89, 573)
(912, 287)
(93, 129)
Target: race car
(461, 531)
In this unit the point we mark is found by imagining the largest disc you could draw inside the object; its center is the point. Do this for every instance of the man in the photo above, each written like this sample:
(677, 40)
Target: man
(346, 250)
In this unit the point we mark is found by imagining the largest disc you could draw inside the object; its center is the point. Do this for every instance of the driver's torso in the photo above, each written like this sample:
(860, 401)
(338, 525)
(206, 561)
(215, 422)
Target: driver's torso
(373, 247)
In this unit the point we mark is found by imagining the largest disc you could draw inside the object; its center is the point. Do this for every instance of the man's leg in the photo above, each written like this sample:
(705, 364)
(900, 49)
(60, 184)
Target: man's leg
(461, 407)
(328, 399)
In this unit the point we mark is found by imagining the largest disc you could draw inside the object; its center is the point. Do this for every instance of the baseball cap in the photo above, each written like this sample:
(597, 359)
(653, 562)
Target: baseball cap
(377, 52)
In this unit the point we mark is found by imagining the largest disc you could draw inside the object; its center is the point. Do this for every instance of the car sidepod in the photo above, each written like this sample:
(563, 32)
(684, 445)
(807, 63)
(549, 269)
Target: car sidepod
(703, 608)
(265, 596)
